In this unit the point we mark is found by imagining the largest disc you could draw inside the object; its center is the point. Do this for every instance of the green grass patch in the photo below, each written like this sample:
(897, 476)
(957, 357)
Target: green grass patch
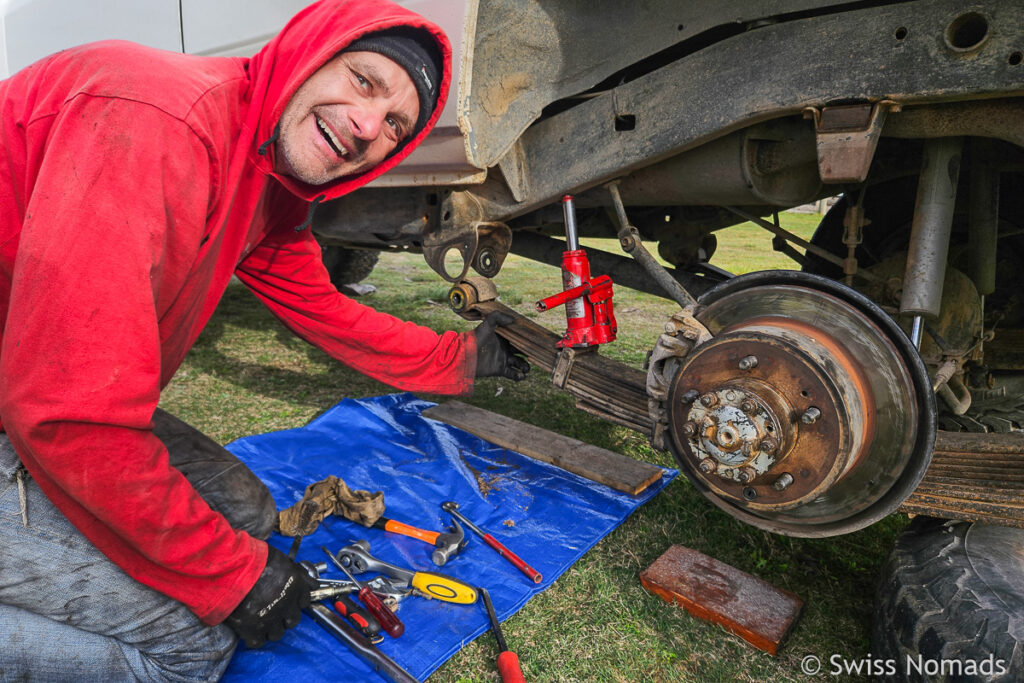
(248, 375)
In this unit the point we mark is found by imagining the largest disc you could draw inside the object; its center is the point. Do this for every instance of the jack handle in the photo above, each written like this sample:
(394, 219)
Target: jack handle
(597, 290)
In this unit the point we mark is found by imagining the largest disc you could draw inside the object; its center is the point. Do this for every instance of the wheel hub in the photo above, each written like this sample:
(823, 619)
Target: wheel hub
(801, 415)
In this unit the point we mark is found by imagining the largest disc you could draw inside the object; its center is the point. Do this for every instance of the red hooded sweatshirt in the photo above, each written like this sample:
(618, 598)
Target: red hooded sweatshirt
(133, 184)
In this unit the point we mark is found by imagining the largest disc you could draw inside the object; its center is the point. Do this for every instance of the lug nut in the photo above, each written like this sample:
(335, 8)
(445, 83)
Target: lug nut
(708, 400)
(690, 428)
(747, 475)
(748, 363)
(708, 466)
(783, 482)
(810, 416)
(768, 444)
(690, 396)
(748, 406)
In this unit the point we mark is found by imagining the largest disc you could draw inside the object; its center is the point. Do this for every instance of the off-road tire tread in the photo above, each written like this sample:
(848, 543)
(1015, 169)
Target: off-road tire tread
(932, 603)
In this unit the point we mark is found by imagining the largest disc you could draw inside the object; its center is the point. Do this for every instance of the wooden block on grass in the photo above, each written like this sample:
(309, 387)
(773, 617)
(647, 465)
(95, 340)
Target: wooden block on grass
(599, 464)
(753, 609)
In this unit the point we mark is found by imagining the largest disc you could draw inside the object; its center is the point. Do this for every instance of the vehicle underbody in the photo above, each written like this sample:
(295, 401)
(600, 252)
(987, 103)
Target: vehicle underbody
(887, 367)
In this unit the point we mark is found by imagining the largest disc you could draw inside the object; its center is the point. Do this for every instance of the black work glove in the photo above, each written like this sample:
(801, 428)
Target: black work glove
(495, 357)
(275, 602)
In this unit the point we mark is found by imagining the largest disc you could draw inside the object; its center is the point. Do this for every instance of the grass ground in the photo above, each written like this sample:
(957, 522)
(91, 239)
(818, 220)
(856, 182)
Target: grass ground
(248, 375)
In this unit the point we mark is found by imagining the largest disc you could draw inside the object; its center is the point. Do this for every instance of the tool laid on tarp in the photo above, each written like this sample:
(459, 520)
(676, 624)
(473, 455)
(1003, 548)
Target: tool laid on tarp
(589, 311)
(359, 644)
(446, 544)
(390, 622)
(367, 624)
(418, 463)
(333, 496)
(452, 508)
(508, 661)
(328, 589)
(357, 558)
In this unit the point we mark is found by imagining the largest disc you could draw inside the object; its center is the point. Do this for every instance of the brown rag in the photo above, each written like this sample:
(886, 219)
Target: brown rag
(330, 496)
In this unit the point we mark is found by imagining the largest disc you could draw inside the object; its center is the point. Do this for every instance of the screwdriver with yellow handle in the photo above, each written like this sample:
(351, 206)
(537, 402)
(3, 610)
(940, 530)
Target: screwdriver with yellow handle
(356, 557)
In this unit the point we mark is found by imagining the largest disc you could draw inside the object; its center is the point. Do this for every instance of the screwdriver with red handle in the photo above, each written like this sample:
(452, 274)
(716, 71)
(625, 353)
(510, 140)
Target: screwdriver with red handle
(368, 625)
(388, 620)
(508, 661)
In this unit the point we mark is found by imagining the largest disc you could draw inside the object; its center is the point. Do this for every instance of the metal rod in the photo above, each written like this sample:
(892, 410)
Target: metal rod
(572, 240)
(800, 242)
(629, 238)
(624, 271)
(495, 624)
(916, 331)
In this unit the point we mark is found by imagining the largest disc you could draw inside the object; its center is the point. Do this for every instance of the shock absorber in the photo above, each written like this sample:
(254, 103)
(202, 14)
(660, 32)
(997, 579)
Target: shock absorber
(590, 319)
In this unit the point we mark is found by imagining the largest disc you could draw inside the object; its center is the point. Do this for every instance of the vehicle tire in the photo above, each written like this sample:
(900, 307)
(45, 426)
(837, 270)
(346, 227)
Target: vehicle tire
(349, 266)
(952, 594)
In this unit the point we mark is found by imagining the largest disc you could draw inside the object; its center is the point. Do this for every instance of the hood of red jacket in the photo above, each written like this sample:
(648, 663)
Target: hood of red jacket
(306, 43)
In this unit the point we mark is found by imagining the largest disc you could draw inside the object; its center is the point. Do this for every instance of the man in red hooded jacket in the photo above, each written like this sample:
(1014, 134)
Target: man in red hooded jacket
(134, 183)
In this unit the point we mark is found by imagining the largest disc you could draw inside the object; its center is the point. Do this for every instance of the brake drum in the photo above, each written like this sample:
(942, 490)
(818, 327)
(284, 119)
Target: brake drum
(808, 413)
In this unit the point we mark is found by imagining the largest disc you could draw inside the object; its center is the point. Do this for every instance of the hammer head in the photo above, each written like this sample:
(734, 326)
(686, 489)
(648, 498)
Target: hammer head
(449, 544)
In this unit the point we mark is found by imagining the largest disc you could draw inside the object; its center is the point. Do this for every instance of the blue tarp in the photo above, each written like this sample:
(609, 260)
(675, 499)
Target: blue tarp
(546, 515)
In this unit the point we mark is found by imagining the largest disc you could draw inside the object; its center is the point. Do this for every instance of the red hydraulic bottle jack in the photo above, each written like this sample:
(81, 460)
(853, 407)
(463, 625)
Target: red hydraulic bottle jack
(588, 302)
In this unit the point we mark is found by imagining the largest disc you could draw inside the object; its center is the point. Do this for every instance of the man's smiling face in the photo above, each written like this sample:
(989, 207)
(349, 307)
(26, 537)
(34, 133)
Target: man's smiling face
(346, 118)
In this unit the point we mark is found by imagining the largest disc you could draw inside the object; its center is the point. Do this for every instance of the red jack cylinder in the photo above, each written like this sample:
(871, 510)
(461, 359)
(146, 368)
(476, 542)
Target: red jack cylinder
(588, 302)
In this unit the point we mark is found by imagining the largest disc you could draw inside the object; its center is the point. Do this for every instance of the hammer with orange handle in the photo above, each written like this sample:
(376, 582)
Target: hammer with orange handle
(446, 544)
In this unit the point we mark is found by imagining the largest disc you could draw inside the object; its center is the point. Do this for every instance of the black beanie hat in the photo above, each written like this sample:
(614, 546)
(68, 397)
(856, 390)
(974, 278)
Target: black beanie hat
(415, 51)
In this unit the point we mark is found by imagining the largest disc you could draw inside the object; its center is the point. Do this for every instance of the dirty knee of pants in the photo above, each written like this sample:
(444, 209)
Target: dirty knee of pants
(224, 482)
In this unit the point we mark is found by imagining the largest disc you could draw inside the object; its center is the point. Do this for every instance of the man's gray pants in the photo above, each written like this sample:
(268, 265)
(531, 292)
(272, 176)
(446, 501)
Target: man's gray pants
(67, 613)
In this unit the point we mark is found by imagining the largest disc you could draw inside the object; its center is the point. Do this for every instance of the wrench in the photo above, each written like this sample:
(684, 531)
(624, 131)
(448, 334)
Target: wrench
(357, 558)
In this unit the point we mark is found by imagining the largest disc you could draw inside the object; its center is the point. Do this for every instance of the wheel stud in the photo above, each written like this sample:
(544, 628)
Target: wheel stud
(708, 466)
(748, 363)
(708, 400)
(746, 475)
(748, 406)
(810, 416)
(690, 428)
(783, 482)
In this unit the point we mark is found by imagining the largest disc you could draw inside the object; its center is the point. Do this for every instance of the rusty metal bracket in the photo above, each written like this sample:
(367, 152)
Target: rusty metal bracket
(447, 237)
(847, 138)
(493, 243)
(854, 222)
(481, 245)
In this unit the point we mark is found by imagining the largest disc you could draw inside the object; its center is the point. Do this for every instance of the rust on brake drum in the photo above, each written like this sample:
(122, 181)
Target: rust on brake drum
(809, 453)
